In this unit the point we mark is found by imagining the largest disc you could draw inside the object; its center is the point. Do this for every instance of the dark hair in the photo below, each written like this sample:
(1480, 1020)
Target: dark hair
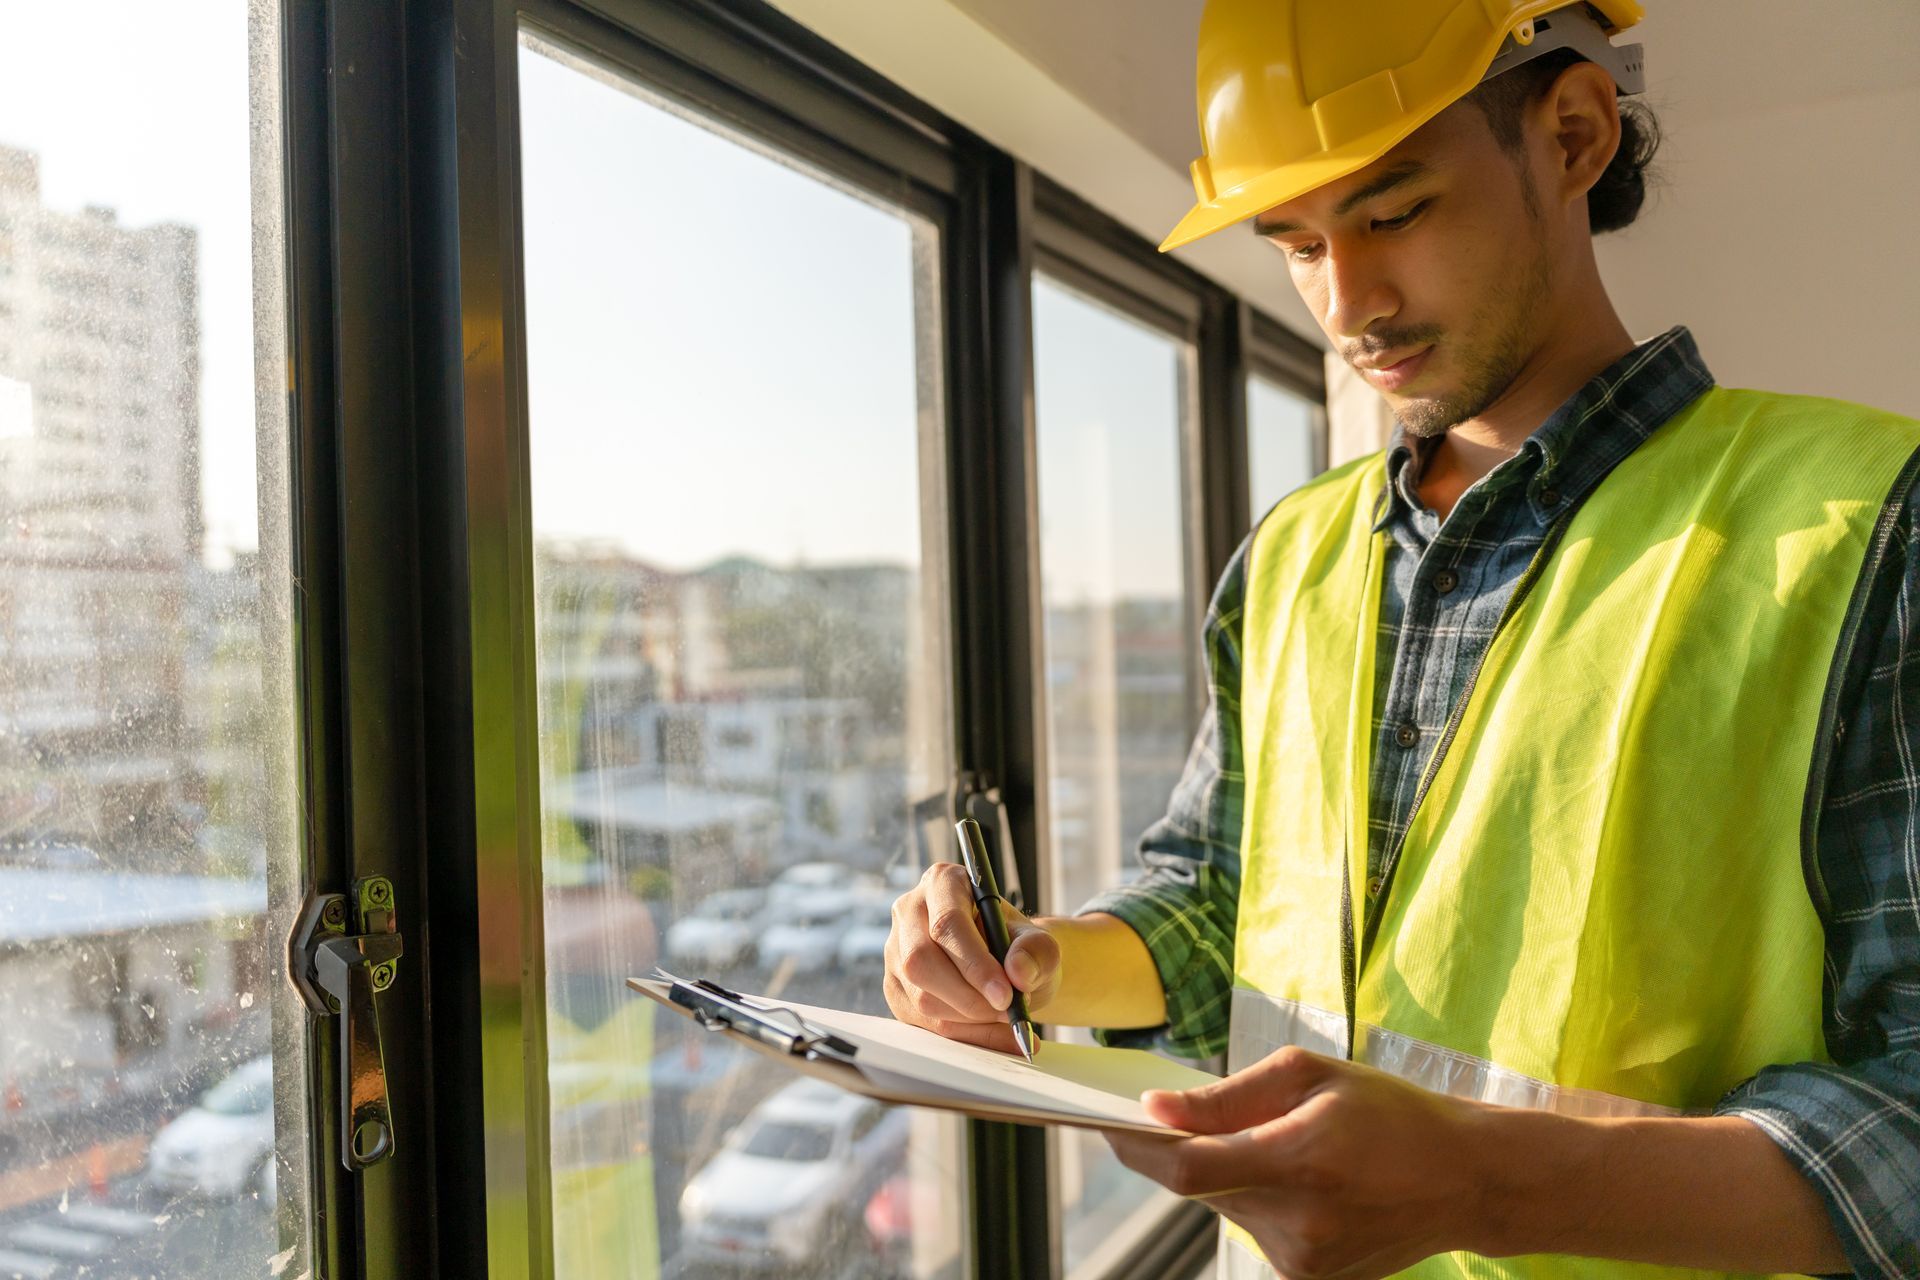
(1615, 200)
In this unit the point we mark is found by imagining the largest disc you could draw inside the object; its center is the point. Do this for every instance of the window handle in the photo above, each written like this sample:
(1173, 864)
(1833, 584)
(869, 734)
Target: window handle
(977, 796)
(342, 973)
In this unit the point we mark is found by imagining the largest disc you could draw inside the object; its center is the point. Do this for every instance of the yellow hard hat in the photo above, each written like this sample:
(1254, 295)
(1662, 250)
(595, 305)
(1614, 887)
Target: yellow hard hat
(1296, 93)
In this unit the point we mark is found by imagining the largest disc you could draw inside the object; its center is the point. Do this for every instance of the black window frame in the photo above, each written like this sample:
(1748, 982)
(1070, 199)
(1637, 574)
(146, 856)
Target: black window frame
(413, 545)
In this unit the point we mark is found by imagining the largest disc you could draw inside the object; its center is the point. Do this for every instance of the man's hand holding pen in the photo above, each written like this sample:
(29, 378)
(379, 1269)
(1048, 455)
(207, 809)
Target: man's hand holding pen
(940, 973)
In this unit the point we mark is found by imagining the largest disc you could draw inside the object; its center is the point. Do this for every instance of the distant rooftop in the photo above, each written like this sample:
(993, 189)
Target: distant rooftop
(40, 906)
(637, 800)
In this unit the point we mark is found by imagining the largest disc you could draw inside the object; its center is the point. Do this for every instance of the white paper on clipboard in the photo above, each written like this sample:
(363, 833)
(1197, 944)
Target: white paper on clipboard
(1083, 1086)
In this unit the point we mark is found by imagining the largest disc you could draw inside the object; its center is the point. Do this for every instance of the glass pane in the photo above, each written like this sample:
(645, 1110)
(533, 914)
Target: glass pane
(145, 669)
(1284, 435)
(735, 425)
(1110, 396)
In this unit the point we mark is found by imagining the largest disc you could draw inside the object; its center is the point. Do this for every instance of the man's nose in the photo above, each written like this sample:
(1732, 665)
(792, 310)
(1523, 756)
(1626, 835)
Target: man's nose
(1358, 294)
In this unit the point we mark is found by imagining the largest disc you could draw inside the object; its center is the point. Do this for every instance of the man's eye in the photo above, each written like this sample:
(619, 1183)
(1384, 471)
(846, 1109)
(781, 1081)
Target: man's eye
(1394, 224)
(1303, 253)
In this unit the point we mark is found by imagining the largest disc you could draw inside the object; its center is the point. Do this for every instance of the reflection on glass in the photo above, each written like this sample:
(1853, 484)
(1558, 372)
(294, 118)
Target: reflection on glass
(144, 654)
(742, 682)
(1110, 395)
(1285, 431)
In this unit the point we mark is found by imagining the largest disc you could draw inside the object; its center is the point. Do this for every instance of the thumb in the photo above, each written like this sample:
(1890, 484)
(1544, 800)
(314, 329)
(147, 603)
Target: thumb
(1033, 956)
(1270, 1087)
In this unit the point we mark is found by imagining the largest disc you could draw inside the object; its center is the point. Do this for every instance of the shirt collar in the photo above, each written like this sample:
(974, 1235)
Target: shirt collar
(1582, 441)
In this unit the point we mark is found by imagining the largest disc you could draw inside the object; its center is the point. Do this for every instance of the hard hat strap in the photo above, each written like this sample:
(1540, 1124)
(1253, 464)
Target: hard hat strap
(1575, 28)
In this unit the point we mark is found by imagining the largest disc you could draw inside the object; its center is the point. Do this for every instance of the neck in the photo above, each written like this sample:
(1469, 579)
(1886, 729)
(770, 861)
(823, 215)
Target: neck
(1584, 338)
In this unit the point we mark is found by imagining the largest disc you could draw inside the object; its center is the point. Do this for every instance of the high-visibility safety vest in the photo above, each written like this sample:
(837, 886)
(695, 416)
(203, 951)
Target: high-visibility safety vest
(1602, 906)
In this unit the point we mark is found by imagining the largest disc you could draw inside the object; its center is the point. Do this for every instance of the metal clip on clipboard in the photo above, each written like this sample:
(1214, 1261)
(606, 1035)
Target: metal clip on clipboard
(717, 1008)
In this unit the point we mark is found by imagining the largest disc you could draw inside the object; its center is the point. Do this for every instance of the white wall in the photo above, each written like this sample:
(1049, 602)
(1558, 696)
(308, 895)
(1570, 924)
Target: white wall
(1783, 239)
(1788, 240)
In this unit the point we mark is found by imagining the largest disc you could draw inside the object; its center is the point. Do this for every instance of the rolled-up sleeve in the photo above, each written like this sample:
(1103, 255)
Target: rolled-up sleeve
(1184, 902)
(1852, 1126)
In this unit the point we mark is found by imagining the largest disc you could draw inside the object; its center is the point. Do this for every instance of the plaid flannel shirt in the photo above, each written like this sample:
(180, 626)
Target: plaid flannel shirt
(1852, 1126)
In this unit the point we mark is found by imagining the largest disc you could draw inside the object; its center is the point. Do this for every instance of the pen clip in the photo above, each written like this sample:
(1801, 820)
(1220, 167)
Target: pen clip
(973, 852)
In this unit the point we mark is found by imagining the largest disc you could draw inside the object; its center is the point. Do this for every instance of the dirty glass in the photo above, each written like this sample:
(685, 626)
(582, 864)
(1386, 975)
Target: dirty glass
(1110, 395)
(734, 424)
(147, 853)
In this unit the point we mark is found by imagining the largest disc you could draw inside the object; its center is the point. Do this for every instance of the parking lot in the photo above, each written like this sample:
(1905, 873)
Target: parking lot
(84, 1200)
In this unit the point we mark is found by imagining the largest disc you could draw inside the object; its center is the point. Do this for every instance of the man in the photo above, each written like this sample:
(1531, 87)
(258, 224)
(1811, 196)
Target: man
(1547, 861)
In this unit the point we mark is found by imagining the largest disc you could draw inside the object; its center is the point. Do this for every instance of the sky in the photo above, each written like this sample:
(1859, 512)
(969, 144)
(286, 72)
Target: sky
(1281, 430)
(721, 347)
(721, 361)
(1108, 404)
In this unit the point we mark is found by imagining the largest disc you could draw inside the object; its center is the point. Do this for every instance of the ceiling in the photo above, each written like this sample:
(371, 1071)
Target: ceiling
(1132, 60)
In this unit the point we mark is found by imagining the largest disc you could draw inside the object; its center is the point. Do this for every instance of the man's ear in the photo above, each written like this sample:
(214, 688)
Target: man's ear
(1579, 116)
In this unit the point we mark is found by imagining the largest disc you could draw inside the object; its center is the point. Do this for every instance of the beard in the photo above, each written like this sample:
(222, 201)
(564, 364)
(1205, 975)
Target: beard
(1510, 317)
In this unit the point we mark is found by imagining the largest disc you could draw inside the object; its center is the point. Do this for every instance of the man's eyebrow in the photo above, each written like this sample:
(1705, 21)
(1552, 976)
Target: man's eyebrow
(1404, 172)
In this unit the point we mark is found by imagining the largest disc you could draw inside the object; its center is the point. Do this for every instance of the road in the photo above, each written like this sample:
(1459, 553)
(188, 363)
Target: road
(135, 1233)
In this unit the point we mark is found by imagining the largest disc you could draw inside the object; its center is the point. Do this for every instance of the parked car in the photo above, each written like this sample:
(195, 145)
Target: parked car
(223, 1144)
(808, 879)
(790, 1185)
(719, 932)
(864, 945)
(807, 934)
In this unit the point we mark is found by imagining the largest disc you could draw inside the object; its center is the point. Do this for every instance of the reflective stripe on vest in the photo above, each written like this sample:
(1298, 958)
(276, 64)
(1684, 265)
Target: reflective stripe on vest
(1264, 1023)
(1599, 905)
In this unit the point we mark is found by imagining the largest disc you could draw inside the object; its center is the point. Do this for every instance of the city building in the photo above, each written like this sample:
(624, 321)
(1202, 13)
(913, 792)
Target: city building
(99, 485)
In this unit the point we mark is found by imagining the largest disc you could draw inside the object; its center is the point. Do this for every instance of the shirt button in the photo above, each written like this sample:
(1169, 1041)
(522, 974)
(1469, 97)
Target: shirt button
(1549, 497)
(1445, 580)
(1406, 735)
(1373, 886)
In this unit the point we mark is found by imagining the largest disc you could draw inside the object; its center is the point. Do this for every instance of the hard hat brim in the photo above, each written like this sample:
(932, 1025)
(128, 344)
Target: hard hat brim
(1292, 182)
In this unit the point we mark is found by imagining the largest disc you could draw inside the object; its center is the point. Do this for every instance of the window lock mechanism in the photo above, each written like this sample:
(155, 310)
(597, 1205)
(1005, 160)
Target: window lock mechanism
(344, 953)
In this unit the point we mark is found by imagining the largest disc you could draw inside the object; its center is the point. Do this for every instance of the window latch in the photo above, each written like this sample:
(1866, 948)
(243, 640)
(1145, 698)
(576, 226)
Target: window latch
(977, 796)
(344, 952)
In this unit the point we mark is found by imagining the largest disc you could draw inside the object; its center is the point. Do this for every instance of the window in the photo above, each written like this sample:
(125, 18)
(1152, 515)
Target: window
(1286, 441)
(735, 425)
(146, 691)
(1111, 410)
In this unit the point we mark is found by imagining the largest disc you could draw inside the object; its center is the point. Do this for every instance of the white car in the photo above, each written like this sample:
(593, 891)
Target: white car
(719, 932)
(809, 879)
(789, 1185)
(807, 932)
(864, 945)
(223, 1144)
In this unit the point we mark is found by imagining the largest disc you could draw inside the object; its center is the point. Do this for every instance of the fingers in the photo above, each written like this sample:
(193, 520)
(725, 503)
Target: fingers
(1269, 1088)
(953, 925)
(939, 973)
(1206, 1166)
(926, 1011)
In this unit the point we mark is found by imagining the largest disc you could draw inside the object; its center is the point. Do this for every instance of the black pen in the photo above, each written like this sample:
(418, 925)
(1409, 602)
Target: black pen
(986, 896)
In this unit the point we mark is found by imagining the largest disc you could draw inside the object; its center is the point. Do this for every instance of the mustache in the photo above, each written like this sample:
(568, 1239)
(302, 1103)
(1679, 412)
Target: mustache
(1385, 340)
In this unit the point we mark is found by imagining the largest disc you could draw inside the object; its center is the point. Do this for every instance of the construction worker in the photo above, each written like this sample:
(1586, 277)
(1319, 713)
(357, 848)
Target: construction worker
(1548, 861)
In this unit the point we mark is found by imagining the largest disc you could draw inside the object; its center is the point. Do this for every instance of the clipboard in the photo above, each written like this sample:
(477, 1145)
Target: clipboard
(1076, 1086)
